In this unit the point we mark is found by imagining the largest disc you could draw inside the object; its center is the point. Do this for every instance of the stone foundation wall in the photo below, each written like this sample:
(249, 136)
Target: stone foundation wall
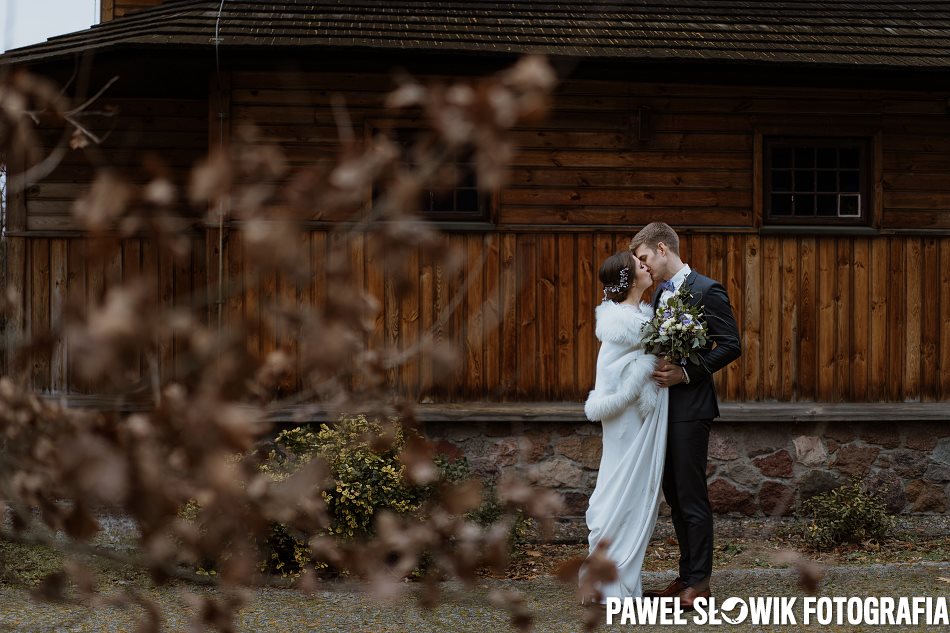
(755, 469)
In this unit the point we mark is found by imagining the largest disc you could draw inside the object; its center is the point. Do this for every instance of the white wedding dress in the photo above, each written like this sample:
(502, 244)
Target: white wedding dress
(633, 412)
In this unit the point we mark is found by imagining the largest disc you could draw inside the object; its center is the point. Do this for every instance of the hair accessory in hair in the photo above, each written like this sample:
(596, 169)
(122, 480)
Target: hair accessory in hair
(623, 285)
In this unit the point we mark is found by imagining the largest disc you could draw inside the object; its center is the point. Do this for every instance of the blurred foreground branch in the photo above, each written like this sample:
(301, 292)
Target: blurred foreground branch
(189, 468)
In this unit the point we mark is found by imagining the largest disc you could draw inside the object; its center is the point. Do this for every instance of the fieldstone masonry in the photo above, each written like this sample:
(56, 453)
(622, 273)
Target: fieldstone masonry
(754, 470)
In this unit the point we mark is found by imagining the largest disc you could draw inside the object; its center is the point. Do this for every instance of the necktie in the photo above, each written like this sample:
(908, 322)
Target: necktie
(667, 285)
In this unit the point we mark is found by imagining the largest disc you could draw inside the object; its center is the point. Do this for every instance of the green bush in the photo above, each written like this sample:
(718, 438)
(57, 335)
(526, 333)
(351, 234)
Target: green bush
(367, 480)
(847, 514)
(492, 511)
(284, 553)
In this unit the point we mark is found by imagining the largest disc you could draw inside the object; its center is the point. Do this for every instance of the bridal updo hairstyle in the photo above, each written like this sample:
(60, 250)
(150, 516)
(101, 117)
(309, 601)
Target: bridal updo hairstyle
(617, 286)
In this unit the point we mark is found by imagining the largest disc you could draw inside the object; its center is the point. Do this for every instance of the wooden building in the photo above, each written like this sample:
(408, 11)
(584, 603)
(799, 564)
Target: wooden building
(802, 149)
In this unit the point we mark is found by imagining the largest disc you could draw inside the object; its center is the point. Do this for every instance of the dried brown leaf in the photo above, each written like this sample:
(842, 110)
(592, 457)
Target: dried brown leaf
(80, 524)
(78, 140)
(52, 588)
(107, 200)
(160, 192)
(417, 456)
(431, 593)
(211, 179)
(82, 577)
(567, 570)
(463, 497)
(409, 94)
(513, 602)
(810, 573)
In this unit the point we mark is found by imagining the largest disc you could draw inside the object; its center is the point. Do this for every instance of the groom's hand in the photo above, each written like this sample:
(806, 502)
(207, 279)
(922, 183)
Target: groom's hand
(667, 374)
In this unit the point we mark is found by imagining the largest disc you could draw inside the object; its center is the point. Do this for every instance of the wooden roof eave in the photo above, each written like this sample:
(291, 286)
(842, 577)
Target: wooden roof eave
(824, 34)
(845, 60)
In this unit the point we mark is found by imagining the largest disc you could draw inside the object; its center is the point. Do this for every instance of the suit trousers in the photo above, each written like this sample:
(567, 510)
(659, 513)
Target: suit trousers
(684, 486)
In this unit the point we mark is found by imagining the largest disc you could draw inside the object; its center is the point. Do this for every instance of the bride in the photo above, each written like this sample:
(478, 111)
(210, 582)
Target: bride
(633, 412)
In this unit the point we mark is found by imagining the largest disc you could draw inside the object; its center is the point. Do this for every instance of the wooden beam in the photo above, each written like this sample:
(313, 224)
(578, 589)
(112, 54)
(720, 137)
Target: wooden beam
(107, 10)
(14, 326)
(732, 412)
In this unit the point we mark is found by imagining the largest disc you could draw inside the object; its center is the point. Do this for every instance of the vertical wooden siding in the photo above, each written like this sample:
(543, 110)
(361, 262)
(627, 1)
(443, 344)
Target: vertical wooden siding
(826, 319)
(71, 273)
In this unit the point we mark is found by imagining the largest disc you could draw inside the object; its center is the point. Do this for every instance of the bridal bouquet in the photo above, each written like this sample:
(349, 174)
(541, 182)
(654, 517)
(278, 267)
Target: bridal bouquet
(676, 331)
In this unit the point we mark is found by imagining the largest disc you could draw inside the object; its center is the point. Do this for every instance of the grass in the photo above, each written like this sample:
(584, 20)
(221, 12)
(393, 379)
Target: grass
(29, 564)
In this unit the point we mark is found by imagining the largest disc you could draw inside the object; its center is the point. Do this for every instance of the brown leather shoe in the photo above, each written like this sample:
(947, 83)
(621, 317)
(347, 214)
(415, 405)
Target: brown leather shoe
(688, 595)
(669, 591)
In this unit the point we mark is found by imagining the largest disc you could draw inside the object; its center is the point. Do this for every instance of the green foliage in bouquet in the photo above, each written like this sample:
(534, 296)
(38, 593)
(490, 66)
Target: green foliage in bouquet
(847, 514)
(676, 332)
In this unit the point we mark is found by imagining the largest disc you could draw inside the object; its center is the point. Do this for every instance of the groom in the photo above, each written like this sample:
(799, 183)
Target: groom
(692, 408)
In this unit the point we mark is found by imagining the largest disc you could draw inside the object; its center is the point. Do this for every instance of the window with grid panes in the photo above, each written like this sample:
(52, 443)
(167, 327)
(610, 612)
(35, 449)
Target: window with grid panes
(816, 181)
(463, 202)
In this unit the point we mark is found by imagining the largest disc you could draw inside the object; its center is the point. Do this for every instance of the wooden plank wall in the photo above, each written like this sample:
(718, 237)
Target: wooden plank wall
(823, 318)
(826, 319)
(60, 274)
(623, 154)
(692, 163)
(170, 132)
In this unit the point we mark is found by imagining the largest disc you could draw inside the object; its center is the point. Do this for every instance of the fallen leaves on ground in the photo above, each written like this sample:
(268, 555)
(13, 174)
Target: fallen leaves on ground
(536, 560)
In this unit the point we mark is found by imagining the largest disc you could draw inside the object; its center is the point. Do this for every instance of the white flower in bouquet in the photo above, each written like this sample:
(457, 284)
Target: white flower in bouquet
(676, 332)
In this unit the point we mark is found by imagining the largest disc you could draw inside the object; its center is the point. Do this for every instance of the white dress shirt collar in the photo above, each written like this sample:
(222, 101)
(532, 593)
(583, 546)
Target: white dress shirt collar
(680, 276)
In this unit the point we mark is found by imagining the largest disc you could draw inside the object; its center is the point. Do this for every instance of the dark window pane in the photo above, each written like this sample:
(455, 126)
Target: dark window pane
(781, 157)
(804, 157)
(467, 178)
(804, 180)
(804, 205)
(827, 157)
(781, 180)
(850, 158)
(828, 205)
(827, 181)
(849, 205)
(441, 202)
(781, 204)
(466, 200)
(850, 181)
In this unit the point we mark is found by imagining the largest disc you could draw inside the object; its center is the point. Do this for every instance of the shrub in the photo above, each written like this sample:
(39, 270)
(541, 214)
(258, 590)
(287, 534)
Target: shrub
(284, 553)
(492, 511)
(366, 480)
(847, 514)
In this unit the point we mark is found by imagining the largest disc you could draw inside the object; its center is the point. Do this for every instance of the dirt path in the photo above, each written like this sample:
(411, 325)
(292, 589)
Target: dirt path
(339, 607)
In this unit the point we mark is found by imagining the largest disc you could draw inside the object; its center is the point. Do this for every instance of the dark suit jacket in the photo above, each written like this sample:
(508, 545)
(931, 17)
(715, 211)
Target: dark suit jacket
(697, 400)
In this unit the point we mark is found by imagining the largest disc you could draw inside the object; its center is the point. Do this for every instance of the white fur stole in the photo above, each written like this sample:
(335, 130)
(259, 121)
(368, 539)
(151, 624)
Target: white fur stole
(623, 367)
